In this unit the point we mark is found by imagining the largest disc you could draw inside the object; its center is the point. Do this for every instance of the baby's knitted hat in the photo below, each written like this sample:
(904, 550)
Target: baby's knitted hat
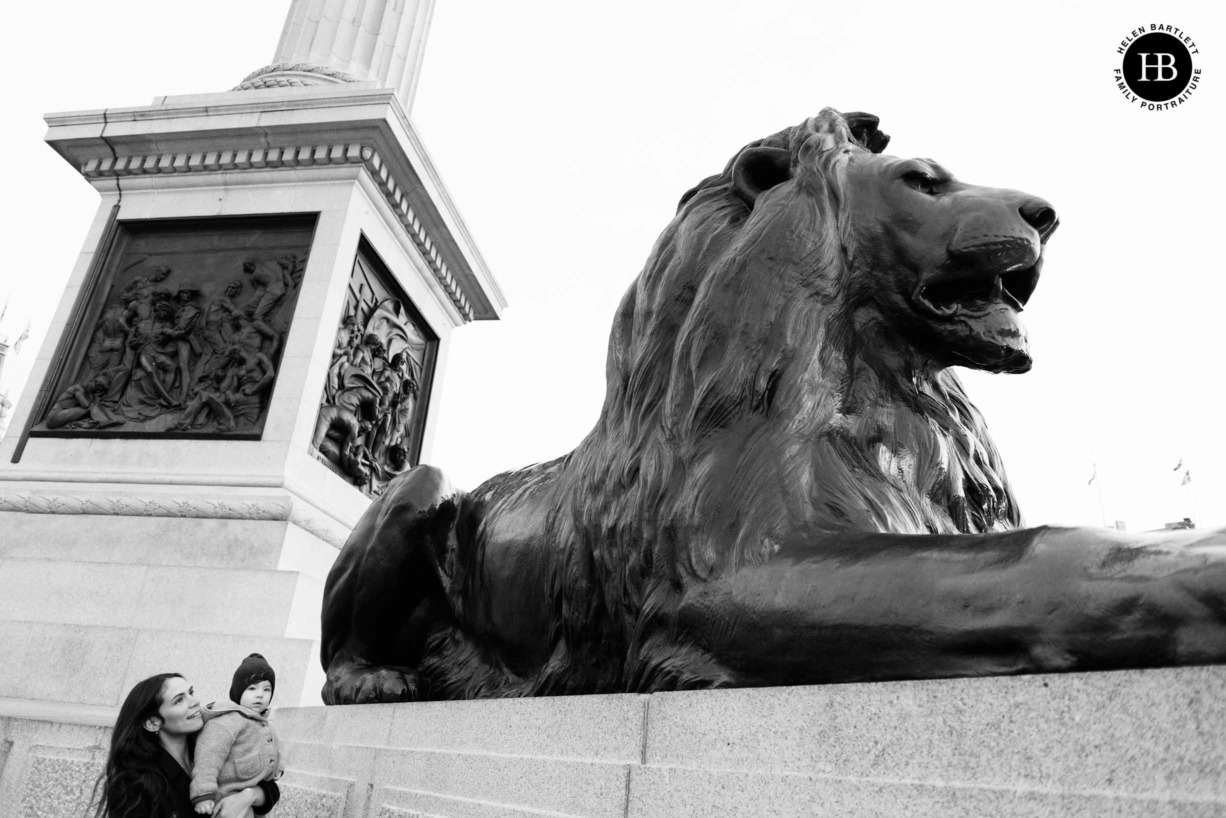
(253, 669)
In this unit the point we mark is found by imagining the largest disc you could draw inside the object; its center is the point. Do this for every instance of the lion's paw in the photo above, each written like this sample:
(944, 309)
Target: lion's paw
(372, 684)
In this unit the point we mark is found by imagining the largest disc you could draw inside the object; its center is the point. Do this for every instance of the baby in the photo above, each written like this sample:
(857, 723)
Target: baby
(237, 748)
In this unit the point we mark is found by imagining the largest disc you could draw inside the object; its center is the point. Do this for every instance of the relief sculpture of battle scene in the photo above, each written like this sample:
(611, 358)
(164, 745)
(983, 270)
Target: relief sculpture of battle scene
(373, 407)
(186, 331)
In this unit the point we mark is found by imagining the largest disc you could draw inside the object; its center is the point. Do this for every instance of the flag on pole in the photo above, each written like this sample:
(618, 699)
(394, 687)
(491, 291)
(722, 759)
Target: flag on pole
(24, 337)
(1093, 476)
(1187, 477)
(1178, 465)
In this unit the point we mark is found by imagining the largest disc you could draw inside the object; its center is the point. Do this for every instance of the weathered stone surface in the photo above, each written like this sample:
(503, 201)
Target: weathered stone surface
(393, 802)
(568, 786)
(126, 596)
(143, 540)
(91, 603)
(1129, 743)
(98, 665)
(305, 802)
(47, 768)
(674, 792)
(88, 668)
(605, 728)
(602, 728)
(1140, 733)
(56, 785)
(1132, 744)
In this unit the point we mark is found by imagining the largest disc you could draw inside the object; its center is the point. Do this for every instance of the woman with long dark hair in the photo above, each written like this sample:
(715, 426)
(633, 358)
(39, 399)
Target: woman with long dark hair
(148, 771)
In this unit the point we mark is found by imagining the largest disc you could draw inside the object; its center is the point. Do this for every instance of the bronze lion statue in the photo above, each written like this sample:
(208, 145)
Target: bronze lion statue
(787, 483)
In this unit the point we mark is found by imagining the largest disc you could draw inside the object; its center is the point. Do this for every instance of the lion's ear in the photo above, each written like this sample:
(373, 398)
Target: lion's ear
(757, 170)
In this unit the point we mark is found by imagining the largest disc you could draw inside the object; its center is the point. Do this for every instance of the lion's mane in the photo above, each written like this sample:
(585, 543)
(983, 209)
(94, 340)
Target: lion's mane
(742, 391)
(786, 485)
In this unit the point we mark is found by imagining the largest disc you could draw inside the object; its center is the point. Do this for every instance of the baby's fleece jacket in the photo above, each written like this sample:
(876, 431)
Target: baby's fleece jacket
(236, 749)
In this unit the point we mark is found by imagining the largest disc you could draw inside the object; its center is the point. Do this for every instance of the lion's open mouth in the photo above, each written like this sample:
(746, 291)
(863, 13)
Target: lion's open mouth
(976, 295)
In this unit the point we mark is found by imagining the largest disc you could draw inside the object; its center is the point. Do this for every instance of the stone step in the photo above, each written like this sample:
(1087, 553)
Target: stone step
(48, 767)
(1127, 743)
(305, 795)
(241, 602)
(608, 728)
(680, 792)
(551, 785)
(1102, 745)
(395, 802)
(97, 665)
(1079, 732)
(169, 541)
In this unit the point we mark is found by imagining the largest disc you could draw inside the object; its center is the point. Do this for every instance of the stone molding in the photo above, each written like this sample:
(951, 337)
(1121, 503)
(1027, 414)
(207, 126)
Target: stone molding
(285, 509)
(314, 130)
(92, 715)
(319, 524)
(301, 156)
(44, 502)
(292, 74)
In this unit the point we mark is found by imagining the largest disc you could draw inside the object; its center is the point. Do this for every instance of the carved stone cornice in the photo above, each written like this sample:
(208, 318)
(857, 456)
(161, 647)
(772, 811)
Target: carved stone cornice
(292, 156)
(344, 124)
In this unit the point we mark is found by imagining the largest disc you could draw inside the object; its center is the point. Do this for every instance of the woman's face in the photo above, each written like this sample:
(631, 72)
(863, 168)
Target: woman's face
(180, 710)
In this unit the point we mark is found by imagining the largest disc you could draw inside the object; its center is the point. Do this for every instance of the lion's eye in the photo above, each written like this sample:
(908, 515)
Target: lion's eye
(921, 181)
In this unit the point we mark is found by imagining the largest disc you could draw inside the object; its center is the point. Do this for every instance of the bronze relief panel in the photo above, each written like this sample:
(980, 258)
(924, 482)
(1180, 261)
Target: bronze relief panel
(373, 410)
(185, 333)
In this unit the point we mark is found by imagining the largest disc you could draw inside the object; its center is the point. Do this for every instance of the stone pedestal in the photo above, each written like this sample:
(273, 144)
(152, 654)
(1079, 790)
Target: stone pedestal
(91, 603)
(1132, 743)
(250, 346)
(148, 546)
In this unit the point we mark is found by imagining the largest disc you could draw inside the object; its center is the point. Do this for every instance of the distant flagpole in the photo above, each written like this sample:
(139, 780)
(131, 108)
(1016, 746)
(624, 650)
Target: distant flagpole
(1102, 512)
(1187, 483)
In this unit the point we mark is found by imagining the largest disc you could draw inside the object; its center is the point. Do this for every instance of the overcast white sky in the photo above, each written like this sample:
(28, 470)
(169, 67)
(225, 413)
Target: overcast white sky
(566, 131)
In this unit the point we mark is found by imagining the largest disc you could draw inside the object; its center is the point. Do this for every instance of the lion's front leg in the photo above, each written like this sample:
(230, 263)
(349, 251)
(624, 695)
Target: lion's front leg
(351, 680)
(865, 607)
(384, 593)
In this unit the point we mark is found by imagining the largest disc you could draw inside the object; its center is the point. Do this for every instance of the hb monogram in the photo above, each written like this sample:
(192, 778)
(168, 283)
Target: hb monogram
(1161, 64)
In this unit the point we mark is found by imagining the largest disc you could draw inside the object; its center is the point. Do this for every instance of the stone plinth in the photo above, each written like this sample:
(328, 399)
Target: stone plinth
(90, 604)
(177, 541)
(1133, 743)
(1130, 743)
(346, 157)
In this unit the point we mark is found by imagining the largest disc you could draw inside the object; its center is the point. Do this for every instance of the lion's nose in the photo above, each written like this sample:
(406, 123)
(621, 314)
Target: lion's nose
(1041, 216)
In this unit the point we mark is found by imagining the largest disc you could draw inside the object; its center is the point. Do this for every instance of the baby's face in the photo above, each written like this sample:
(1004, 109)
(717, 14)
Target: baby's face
(257, 697)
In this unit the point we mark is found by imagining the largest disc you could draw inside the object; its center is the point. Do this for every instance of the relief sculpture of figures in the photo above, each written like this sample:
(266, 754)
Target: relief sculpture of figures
(176, 348)
(787, 483)
(368, 414)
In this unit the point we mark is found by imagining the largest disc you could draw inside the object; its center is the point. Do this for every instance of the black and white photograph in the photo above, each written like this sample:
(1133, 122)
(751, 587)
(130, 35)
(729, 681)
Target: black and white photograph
(476, 407)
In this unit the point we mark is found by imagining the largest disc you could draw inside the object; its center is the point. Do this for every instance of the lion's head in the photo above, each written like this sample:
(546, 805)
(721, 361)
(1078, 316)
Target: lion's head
(781, 366)
(950, 264)
(934, 270)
